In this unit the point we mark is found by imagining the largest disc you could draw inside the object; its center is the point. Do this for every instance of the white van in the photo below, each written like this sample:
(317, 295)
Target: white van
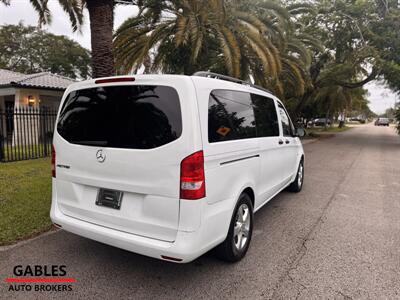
(171, 166)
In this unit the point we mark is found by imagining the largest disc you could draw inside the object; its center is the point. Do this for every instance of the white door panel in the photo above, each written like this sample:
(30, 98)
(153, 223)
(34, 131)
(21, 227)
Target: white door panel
(289, 147)
(270, 180)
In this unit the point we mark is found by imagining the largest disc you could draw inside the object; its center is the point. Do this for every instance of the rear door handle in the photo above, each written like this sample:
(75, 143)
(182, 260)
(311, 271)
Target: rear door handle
(287, 141)
(280, 142)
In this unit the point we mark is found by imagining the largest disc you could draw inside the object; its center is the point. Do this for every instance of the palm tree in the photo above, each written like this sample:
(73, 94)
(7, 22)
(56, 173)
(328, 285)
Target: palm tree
(240, 38)
(101, 15)
(101, 27)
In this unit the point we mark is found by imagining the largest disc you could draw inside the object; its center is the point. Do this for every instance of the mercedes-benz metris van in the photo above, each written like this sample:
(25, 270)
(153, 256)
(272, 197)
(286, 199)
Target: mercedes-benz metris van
(170, 166)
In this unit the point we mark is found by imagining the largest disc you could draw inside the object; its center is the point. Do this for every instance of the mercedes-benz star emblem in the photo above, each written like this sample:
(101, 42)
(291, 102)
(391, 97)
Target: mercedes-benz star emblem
(101, 156)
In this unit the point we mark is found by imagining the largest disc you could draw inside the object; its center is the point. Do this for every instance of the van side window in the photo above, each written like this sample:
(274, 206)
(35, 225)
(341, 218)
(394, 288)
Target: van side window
(266, 117)
(230, 116)
(287, 126)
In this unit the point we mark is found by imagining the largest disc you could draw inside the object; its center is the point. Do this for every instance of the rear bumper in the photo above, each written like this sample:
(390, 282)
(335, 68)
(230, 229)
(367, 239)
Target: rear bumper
(181, 248)
(187, 246)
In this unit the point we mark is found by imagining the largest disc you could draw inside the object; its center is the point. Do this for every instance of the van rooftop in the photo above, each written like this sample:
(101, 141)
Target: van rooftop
(229, 78)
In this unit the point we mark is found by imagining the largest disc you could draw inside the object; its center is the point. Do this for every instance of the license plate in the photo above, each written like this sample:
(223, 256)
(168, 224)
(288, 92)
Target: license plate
(109, 198)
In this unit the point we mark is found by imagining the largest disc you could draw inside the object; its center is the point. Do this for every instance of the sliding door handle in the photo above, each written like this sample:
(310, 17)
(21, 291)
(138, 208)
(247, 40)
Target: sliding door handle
(287, 141)
(280, 142)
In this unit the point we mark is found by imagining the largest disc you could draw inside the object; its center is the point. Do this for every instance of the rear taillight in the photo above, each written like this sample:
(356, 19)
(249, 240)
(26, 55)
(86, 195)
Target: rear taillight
(193, 185)
(53, 162)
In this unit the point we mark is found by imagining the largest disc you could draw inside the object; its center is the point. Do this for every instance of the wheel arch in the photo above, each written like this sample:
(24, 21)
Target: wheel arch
(250, 192)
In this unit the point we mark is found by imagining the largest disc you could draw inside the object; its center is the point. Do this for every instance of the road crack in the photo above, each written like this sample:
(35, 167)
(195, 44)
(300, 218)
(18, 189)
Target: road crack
(301, 251)
(345, 297)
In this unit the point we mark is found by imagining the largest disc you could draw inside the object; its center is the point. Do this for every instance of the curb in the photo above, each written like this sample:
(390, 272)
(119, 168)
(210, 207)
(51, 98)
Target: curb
(309, 141)
(23, 242)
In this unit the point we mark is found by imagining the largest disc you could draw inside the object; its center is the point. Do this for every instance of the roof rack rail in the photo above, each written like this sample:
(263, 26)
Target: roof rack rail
(229, 78)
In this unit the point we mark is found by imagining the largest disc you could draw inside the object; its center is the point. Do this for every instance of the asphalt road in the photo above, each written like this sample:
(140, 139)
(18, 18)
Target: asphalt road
(337, 239)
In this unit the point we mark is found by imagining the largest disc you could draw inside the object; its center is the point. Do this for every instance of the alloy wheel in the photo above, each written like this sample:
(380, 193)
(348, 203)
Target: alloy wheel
(242, 227)
(300, 175)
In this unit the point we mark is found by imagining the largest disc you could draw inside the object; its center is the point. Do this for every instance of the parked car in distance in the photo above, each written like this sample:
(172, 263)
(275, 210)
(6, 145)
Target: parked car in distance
(382, 122)
(359, 119)
(321, 122)
(171, 166)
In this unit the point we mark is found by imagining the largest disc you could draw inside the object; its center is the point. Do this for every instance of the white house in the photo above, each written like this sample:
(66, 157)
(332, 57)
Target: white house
(18, 91)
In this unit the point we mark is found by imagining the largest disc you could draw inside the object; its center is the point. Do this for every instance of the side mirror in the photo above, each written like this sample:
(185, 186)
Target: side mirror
(300, 132)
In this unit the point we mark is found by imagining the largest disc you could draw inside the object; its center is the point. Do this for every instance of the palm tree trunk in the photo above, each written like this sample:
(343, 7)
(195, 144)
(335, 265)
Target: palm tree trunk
(147, 64)
(101, 14)
(326, 119)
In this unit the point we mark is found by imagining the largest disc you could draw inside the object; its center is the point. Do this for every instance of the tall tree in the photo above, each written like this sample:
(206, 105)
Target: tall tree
(349, 59)
(101, 14)
(101, 26)
(240, 38)
(384, 34)
(27, 49)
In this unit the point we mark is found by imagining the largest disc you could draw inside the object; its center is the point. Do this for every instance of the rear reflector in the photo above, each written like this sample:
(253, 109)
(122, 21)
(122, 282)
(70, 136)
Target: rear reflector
(117, 79)
(192, 183)
(53, 161)
(171, 258)
(57, 225)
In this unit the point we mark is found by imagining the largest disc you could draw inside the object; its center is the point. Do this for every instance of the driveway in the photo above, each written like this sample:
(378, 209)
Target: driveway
(338, 239)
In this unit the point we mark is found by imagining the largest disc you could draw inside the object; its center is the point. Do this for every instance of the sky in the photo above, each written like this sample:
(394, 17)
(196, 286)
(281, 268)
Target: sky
(379, 96)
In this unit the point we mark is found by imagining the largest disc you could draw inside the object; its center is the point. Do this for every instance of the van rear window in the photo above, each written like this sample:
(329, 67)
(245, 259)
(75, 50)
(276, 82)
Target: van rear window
(134, 117)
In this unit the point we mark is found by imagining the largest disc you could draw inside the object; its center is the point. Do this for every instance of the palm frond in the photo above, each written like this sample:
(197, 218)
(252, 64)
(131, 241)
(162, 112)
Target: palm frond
(74, 9)
(231, 51)
(181, 33)
(40, 6)
(301, 8)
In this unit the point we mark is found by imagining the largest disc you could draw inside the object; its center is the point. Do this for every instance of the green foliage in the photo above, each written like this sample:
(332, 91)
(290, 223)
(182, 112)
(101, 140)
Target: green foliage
(27, 49)
(398, 119)
(245, 39)
(351, 57)
(73, 8)
(385, 36)
(24, 199)
(390, 113)
(276, 43)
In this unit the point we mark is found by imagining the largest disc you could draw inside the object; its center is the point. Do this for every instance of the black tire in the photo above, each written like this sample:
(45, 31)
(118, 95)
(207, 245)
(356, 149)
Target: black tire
(228, 250)
(297, 184)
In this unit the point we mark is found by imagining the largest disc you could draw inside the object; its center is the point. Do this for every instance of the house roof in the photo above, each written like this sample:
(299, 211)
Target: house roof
(45, 80)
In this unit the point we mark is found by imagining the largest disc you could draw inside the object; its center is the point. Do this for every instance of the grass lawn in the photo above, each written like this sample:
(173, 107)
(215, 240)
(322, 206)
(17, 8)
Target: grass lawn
(317, 131)
(25, 197)
(25, 152)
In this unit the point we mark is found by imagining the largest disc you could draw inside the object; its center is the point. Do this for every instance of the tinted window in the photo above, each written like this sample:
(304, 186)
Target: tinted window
(286, 124)
(230, 116)
(265, 115)
(135, 117)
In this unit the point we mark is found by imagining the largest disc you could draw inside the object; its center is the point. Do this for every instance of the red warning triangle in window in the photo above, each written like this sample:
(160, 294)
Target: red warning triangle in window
(223, 130)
